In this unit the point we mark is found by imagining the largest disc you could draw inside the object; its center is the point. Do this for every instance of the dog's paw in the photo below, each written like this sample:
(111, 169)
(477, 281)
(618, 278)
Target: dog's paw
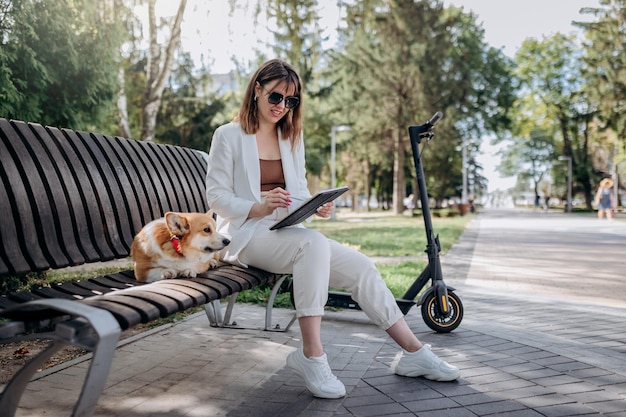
(169, 274)
(188, 273)
(214, 263)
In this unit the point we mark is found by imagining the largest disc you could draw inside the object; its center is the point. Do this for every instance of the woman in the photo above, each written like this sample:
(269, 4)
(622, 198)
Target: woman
(256, 176)
(604, 199)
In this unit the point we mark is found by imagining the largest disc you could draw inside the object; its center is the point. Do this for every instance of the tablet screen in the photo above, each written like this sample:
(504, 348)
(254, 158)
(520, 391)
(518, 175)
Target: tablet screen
(309, 207)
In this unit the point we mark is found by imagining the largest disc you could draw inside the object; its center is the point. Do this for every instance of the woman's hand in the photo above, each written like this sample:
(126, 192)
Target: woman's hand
(274, 199)
(326, 210)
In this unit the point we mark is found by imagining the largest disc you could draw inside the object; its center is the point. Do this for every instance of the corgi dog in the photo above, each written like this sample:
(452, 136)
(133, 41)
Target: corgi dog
(177, 245)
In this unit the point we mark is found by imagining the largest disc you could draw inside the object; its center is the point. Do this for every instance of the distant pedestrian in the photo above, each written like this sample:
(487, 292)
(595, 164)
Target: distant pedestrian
(604, 199)
(537, 201)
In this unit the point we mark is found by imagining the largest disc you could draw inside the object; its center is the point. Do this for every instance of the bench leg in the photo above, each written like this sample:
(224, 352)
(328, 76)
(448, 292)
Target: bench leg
(80, 332)
(229, 310)
(270, 306)
(218, 319)
(214, 312)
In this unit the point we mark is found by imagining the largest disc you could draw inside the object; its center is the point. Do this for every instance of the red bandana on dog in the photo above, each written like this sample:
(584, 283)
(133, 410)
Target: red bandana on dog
(176, 243)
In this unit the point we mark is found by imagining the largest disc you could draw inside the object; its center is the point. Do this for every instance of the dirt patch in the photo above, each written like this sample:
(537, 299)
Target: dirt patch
(14, 355)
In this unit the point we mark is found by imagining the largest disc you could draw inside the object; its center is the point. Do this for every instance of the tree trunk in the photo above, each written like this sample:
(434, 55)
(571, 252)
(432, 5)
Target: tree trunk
(157, 71)
(398, 173)
(368, 186)
(122, 106)
(109, 10)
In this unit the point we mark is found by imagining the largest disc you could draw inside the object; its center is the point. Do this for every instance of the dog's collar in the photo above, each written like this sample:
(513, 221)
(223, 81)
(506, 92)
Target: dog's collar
(176, 244)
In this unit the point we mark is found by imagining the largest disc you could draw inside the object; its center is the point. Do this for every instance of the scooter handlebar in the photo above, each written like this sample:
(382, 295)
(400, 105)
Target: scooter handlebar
(436, 117)
(417, 131)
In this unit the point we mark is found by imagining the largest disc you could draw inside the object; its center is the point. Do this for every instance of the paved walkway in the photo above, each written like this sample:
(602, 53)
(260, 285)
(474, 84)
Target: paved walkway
(543, 335)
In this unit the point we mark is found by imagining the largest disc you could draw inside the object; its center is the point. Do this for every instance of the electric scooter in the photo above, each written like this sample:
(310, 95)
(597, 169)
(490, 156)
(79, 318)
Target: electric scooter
(442, 309)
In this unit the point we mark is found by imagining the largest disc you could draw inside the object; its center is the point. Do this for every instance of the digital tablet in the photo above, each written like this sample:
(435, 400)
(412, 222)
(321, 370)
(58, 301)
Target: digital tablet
(309, 207)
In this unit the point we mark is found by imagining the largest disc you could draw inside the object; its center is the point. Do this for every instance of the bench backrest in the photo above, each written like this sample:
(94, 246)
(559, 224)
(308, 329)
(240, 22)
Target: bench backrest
(69, 197)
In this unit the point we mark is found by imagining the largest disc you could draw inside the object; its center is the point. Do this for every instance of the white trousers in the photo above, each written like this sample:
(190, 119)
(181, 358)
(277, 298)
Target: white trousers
(315, 263)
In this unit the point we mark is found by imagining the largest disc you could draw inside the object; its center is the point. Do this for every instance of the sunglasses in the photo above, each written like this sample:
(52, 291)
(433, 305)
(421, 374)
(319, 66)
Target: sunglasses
(290, 101)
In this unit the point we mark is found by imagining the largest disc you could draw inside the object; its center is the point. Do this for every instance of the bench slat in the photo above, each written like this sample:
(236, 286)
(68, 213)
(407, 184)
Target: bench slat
(166, 305)
(95, 208)
(164, 194)
(243, 282)
(154, 195)
(107, 282)
(198, 297)
(171, 180)
(209, 292)
(70, 238)
(220, 289)
(119, 188)
(130, 179)
(12, 258)
(44, 184)
(183, 180)
(147, 310)
(193, 172)
(31, 313)
(5, 303)
(25, 296)
(126, 316)
(73, 288)
(140, 180)
(53, 292)
(126, 277)
(111, 243)
(93, 286)
(183, 301)
(80, 195)
(17, 209)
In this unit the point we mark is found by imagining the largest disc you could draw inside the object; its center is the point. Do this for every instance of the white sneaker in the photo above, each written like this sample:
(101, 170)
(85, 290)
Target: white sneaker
(318, 377)
(424, 363)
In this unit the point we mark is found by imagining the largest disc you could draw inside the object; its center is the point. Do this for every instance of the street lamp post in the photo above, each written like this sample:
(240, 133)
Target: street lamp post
(569, 181)
(464, 176)
(616, 184)
(333, 157)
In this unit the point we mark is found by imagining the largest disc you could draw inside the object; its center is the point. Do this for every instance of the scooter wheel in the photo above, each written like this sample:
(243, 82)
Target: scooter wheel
(442, 323)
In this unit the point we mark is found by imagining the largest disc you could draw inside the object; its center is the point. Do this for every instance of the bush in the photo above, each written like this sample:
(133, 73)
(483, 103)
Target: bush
(18, 283)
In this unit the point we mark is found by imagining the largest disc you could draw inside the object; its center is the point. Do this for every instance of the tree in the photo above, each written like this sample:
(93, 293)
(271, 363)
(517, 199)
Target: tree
(379, 73)
(294, 25)
(191, 110)
(605, 71)
(552, 71)
(529, 157)
(401, 61)
(58, 71)
(158, 67)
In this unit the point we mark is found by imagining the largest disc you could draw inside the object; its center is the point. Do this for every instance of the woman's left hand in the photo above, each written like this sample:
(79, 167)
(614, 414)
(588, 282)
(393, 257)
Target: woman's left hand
(325, 210)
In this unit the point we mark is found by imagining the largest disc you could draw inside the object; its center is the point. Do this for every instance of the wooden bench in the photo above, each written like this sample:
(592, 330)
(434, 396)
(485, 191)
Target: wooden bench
(71, 198)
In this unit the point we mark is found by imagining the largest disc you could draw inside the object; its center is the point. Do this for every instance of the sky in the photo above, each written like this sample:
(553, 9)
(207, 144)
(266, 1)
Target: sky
(507, 23)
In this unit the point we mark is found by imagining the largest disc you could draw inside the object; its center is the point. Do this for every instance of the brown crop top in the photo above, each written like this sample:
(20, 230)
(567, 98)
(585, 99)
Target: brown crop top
(272, 175)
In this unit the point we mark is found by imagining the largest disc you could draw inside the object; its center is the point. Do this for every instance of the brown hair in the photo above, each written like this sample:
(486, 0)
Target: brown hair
(606, 182)
(291, 124)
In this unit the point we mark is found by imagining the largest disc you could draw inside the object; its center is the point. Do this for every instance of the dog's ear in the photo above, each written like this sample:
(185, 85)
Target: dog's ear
(176, 223)
(211, 213)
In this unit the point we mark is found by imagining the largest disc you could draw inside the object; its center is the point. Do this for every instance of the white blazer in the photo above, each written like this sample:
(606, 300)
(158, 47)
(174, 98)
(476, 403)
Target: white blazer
(233, 183)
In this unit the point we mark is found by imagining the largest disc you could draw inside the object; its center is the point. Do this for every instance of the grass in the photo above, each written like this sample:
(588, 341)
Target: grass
(396, 241)
(390, 235)
(34, 280)
(391, 239)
